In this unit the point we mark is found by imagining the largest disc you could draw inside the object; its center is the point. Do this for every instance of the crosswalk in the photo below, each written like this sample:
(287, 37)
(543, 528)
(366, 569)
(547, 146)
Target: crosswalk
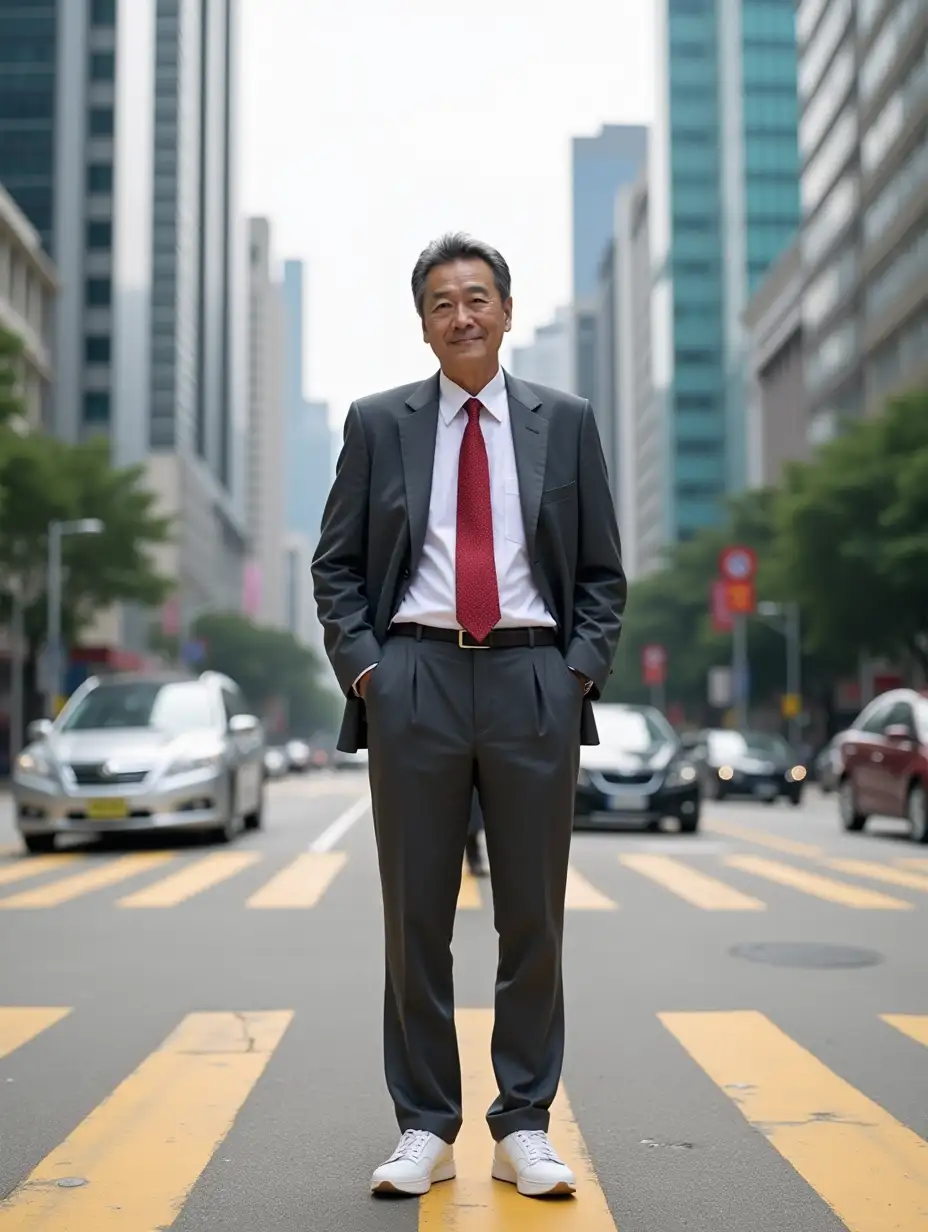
(131, 1162)
(737, 882)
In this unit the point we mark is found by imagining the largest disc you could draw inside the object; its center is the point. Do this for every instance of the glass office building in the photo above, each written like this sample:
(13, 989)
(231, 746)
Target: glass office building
(723, 205)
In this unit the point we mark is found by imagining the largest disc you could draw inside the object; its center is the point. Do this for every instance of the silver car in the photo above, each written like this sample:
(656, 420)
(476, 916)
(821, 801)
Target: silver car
(142, 753)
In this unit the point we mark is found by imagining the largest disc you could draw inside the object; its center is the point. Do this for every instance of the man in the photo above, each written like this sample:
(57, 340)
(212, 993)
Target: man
(472, 846)
(469, 582)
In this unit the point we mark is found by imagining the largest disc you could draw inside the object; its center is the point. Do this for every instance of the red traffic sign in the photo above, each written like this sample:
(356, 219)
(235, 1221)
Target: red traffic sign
(654, 664)
(721, 616)
(738, 564)
(740, 598)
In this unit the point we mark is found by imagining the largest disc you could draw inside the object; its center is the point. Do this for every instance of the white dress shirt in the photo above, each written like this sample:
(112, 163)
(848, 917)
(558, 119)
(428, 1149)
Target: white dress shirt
(431, 598)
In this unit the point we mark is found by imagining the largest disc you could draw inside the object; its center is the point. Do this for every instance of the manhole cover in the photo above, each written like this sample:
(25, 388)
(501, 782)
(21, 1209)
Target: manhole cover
(806, 954)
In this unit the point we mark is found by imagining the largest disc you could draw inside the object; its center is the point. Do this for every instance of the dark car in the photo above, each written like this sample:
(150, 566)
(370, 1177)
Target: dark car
(637, 774)
(757, 765)
(885, 763)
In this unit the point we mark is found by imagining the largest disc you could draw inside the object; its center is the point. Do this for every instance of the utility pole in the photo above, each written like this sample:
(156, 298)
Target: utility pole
(56, 532)
(794, 671)
(17, 668)
(739, 670)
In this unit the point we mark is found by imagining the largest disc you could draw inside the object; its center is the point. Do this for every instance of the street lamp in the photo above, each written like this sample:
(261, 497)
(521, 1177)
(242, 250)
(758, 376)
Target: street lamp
(56, 532)
(789, 614)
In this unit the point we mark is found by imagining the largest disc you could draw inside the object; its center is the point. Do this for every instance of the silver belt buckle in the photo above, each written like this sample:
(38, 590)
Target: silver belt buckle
(466, 646)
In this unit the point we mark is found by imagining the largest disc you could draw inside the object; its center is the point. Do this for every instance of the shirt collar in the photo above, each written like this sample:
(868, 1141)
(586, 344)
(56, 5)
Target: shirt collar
(453, 397)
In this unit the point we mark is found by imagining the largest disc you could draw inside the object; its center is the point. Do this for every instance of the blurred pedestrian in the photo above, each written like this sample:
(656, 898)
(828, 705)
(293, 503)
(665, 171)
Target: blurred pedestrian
(469, 582)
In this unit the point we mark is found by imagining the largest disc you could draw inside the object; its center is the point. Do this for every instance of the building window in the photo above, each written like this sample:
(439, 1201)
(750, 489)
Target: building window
(99, 292)
(97, 349)
(103, 66)
(96, 407)
(101, 121)
(103, 13)
(99, 235)
(100, 178)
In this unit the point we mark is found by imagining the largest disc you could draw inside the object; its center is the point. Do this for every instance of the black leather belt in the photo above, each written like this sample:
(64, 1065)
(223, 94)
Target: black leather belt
(498, 639)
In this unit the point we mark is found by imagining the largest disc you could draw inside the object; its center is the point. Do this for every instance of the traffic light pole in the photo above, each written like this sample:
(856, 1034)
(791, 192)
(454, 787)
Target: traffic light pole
(739, 670)
(793, 668)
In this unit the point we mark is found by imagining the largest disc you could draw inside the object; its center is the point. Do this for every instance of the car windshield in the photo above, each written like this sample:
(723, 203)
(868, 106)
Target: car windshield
(637, 731)
(168, 708)
(732, 744)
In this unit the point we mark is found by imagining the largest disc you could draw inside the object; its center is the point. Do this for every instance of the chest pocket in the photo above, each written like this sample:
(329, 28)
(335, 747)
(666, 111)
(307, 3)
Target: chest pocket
(512, 516)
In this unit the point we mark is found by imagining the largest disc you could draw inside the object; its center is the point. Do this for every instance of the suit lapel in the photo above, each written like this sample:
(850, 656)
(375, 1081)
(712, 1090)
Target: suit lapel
(530, 442)
(417, 444)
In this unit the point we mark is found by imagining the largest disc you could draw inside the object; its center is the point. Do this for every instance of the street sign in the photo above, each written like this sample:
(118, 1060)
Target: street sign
(791, 704)
(738, 564)
(718, 606)
(654, 664)
(740, 598)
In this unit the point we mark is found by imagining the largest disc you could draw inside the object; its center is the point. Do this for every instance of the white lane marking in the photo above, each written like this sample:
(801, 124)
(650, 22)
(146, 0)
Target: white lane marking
(341, 825)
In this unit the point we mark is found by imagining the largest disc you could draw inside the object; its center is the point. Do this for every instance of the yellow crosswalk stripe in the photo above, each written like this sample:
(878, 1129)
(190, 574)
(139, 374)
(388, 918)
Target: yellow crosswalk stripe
(881, 872)
(582, 895)
(750, 835)
(870, 1169)
(194, 879)
(474, 1202)
(815, 884)
(7, 850)
(302, 883)
(915, 1026)
(916, 862)
(137, 1155)
(469, 896)
(32, 866)
(692, 885)
(106, 873)
(21, 1023)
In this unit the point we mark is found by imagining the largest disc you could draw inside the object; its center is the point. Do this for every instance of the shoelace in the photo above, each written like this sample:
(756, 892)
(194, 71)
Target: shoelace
(411, 1145)
(537, 1146)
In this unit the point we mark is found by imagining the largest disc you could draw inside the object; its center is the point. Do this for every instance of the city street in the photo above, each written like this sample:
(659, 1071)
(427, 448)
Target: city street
(189, 1035)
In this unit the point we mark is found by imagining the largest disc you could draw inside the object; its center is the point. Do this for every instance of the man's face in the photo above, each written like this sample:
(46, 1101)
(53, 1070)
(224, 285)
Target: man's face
(463, 317)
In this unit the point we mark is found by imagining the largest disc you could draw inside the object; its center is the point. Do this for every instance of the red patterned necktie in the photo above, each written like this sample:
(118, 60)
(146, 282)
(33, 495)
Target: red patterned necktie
(475, 564)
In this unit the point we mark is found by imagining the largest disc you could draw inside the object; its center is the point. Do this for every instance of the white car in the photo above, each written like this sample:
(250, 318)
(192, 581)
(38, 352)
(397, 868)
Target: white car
(134, 752)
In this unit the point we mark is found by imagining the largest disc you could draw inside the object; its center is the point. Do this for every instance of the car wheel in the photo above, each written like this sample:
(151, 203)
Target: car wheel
(255, 820)
(851, 818)
(39, 844)
(918, 813)
(795, 800)
(228, 830)
(690, 823)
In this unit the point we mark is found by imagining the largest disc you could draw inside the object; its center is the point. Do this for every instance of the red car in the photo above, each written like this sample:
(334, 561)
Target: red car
(885, 763)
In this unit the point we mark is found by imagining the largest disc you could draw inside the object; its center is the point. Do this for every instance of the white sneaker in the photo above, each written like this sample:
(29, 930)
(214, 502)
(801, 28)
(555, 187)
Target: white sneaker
(419, 1159)
(527, 1160)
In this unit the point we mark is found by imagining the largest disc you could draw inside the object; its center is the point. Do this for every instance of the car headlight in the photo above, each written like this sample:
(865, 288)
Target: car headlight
(35, 764)
(188, 763)
(681, 775)
(796, 774)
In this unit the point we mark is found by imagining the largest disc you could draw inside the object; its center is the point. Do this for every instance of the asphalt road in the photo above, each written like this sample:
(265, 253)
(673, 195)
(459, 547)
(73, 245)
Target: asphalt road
(189, 1037)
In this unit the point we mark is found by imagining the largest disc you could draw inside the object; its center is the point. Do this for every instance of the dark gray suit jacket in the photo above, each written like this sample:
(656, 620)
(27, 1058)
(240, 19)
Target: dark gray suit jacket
(374, 525)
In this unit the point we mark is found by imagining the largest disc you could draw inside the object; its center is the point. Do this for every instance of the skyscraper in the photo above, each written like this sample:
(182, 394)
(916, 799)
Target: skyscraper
(723, 205)
(118, 123)
(863, 86)
(265, 452)
(600, 165)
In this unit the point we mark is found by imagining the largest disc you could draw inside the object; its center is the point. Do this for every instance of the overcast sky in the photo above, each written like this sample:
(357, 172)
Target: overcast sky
(370, 126)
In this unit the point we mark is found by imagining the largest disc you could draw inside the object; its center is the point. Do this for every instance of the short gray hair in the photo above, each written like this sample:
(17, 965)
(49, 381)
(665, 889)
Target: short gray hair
(457, 246)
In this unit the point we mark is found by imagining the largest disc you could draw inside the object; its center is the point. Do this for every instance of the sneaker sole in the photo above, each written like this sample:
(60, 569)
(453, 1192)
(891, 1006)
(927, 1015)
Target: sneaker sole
(530, 1189)
(444, 1172)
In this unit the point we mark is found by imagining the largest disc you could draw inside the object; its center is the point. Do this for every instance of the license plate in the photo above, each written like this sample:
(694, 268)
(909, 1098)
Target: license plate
(766, 791)
(619, 802)
(108, 809)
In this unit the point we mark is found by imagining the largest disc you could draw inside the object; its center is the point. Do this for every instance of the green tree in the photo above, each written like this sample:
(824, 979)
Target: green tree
(671, 607)
(42, 480)
(270, 666)
(853, 533)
